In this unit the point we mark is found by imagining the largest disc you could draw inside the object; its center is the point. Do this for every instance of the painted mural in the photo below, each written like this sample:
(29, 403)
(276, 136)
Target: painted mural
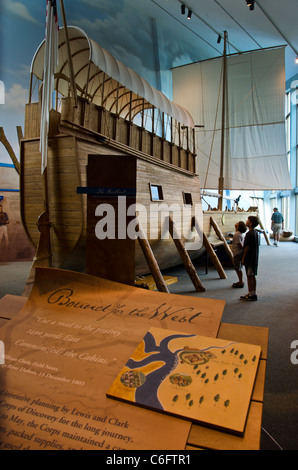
(14, 244)
(124, 27)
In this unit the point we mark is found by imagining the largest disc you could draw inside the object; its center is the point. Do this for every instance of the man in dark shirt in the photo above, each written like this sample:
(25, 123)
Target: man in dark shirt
(277, 225)
(250, 257)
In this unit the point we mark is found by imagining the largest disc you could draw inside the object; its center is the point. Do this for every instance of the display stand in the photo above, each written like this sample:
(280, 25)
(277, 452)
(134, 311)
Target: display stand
(199, 437)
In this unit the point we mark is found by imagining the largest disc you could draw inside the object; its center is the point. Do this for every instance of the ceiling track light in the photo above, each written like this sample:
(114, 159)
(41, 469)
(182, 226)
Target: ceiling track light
(296, 60)
(219, 39)
(182, 9)
(250, 4)
(189, 14)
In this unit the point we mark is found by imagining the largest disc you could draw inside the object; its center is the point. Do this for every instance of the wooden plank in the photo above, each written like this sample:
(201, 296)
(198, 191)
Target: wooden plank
(259, 388)
(106, 256)
(213, 439)
(213, 257)
(226, 220)
(202, 437)
(10, 305)
(43, 256)
(222, 238)
(3, 322)
(63, 179)
(68, 154)
(185, 258)
(151, 261)
(208, 438)
(124, 132)
(246, 334)
(149, 282)
(124, 310)
(172, 184)
(264, 232)
(193, 448)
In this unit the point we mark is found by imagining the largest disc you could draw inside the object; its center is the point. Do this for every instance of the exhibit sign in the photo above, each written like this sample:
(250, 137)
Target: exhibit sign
(207, 380)
(64, 349)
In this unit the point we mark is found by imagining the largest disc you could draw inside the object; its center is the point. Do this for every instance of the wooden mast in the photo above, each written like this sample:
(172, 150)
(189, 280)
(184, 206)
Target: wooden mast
(43, 256)
(44, 223)
(70, 64)
(222, 150)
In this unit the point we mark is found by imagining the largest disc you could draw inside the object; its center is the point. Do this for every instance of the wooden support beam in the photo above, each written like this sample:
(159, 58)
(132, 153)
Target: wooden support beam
(222, 238)
(264, 232)
(43, 256)
(185, 258)
(9, 149)
(214, 259)
(151, 261)
(20, 133)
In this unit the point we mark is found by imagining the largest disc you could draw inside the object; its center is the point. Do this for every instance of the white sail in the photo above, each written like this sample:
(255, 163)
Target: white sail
(255, 140)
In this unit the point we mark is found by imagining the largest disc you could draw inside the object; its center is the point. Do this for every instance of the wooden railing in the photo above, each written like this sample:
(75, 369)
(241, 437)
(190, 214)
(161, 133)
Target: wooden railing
(114, 127)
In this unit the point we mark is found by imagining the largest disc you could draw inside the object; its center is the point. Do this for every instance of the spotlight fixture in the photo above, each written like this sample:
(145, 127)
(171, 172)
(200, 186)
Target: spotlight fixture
(189, 14)
(250, 4)
(182, 9)
(296, 60)
(219, 39)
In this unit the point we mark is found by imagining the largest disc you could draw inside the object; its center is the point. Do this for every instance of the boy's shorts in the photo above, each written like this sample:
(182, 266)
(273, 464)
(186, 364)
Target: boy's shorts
(251, 270)
(237, 262)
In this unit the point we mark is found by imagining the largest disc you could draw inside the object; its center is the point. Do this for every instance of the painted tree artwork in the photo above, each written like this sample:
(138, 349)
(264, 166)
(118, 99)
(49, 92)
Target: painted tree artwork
(207, 380)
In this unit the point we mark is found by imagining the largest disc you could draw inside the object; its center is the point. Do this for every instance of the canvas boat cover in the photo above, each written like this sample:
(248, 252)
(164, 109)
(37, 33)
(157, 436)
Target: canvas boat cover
(104, 80)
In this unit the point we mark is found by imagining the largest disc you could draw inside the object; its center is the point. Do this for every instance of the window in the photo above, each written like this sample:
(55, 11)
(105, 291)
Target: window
(187, 198)
(296, 142)
(288, 123)
(296, 218)
(156, 192)
(285, 209)
(273, 203)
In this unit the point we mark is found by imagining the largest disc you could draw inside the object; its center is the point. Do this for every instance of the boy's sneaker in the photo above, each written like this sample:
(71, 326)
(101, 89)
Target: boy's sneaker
(251, 298)
(238, 284)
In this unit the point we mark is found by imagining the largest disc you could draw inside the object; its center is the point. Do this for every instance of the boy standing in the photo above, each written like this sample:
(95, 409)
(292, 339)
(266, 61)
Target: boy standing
(237, 250)
(251, 257)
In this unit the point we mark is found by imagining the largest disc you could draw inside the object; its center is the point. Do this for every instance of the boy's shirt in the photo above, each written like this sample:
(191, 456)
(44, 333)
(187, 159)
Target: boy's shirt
(237, 243)
(252, 242)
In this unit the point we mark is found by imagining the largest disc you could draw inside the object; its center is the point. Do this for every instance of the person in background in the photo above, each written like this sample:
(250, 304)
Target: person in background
(277, 225)
(4, 221)
(250, 258)
(237, 250)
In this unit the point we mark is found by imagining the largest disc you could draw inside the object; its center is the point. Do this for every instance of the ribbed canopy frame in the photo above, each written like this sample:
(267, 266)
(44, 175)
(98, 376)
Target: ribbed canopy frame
(105, 81)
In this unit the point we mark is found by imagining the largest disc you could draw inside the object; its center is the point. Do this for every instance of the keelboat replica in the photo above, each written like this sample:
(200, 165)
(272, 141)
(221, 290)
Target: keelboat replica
(115, 142)
(110, 134)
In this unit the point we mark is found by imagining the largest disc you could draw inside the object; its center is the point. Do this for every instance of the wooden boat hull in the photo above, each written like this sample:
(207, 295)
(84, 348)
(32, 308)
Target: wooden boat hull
(225, 220)
(72, 241)
(68, 156)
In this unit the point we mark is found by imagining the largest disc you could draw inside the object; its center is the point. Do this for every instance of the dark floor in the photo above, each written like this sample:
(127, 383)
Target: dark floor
(276, 308)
